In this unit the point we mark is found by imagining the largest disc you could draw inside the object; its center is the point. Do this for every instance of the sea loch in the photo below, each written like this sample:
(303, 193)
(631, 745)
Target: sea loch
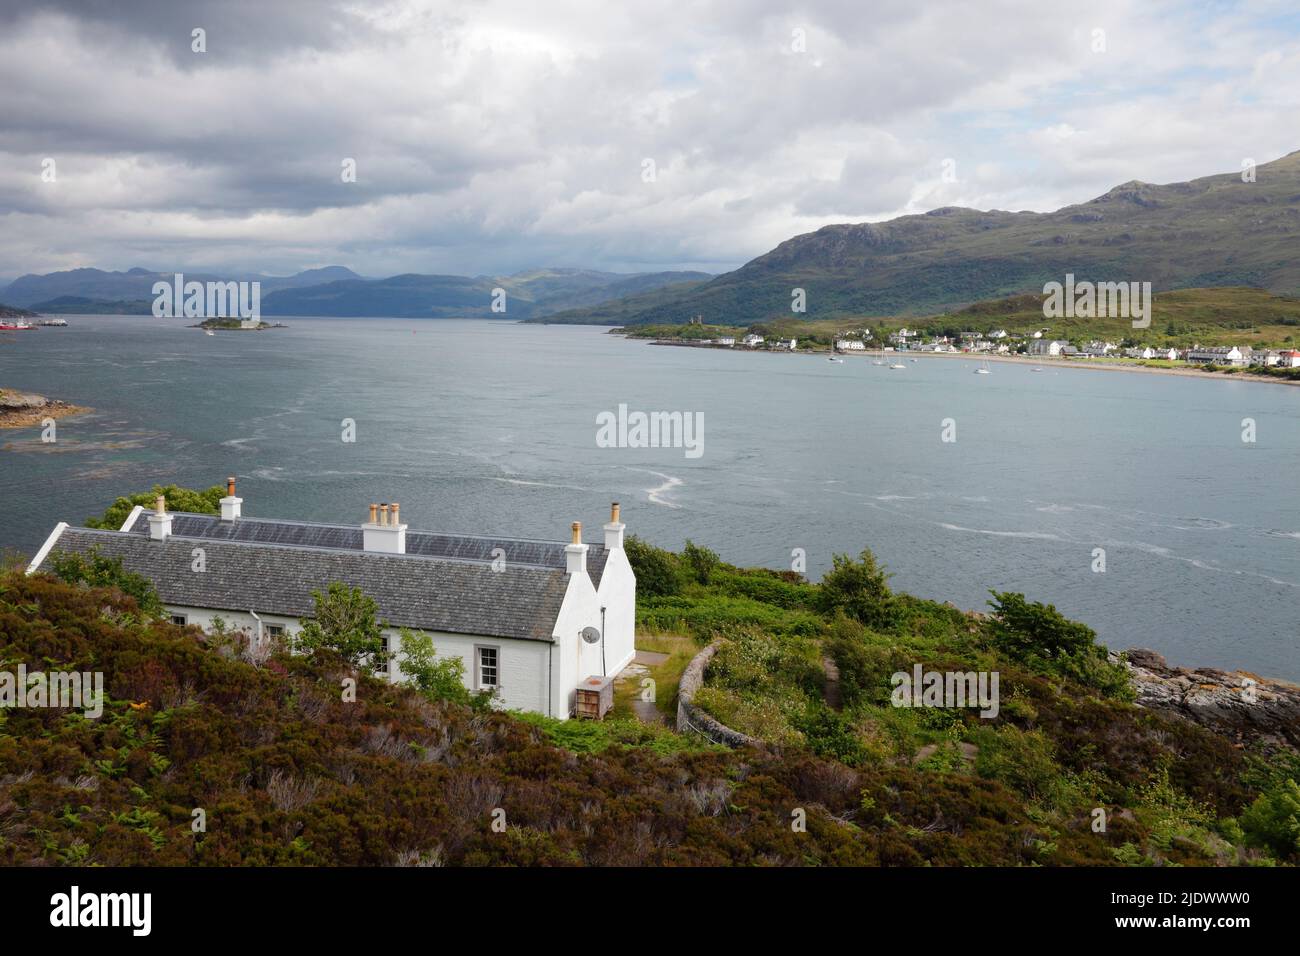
(489, 426)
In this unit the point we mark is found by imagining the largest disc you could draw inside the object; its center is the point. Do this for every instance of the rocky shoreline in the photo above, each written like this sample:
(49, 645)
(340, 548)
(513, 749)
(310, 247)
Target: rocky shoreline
(1239, 705)
(25, 410)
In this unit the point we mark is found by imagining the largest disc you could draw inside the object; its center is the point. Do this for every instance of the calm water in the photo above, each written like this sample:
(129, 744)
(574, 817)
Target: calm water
(479, 426)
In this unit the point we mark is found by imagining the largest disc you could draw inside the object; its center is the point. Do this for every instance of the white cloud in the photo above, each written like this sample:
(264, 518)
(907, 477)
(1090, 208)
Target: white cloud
(505, 134)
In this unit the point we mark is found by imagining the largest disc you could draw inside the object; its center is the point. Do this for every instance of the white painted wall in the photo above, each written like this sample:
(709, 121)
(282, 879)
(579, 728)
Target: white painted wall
(574, 658)
(618, 596)
(523, 670)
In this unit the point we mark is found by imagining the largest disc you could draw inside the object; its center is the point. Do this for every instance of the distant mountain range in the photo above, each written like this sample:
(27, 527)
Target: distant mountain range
(338, 291)
(1215, 231)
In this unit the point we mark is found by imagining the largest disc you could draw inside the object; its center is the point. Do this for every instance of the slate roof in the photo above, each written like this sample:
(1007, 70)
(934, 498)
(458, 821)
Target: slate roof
(432, 544)
(273, 566)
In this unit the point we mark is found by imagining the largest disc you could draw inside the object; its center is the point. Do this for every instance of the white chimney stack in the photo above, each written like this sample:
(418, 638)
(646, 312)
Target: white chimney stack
(382, 535)
(160, 522)
(231, 507)
(614, 530)
(575, 553)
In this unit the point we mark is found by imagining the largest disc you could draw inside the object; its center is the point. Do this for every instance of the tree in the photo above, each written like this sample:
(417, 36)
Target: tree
(858, 588)
(1042, 638)
(206, 502)
(346, 622)
(655, 569)
(1025, 631)
(97, 571)
(436, 678)
(700, 562)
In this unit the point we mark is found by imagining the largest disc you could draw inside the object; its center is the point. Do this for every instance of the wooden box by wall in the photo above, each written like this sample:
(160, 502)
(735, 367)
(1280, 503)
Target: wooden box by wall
(594, 698)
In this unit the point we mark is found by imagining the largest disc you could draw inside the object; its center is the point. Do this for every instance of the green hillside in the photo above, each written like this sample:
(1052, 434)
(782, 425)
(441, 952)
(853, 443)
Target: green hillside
(1233, 315)
(1214, 231)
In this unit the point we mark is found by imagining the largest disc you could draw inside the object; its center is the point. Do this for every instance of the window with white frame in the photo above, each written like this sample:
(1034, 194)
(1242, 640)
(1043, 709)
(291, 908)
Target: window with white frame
(379, 661)
(487, 668)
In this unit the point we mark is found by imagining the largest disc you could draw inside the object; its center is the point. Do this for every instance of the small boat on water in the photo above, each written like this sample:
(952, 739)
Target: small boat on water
(898, 364)
(880, 358)
(837, 360)
(983, 369)
(208, 332)
(55, 323)
(17, 326)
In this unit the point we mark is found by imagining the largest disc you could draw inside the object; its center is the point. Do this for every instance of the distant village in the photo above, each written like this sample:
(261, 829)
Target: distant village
(1002, 342)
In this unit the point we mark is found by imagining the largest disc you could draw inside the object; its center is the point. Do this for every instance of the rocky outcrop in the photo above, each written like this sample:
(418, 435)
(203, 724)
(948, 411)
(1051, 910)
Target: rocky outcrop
(24, 410)
(1244, 707)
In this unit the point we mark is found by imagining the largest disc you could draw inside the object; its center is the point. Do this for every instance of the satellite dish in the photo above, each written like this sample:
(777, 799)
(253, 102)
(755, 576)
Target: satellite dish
(591, 635)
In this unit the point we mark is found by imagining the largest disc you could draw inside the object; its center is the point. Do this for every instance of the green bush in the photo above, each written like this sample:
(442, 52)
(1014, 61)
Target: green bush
(859, 589)
(205, 502)
(97, 571)
(1040, 637)
(1273, 820)
(346, 623)
(656, 570)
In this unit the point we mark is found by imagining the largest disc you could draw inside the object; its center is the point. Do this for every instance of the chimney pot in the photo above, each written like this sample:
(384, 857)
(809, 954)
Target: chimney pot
(382, 535)
(230, 505)
(160, 522)
(613, 513)
(575, 554)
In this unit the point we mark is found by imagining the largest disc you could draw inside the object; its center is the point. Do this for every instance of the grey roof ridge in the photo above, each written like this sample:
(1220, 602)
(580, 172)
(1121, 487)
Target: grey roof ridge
(433, 558)
(353, 527)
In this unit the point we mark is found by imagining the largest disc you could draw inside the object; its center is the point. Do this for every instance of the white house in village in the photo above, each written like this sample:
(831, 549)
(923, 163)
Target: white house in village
(1217, 355)
(752, 340)
(531, 620)
(850, 345)
(1051, 347)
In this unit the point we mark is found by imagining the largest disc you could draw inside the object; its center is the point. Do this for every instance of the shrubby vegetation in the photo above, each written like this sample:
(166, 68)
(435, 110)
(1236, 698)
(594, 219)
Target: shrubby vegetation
(289, 770)
(1067, 739)
(206, 502)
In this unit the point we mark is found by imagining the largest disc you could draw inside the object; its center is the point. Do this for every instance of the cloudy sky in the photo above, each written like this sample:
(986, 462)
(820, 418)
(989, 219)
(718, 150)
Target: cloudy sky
(496, 135)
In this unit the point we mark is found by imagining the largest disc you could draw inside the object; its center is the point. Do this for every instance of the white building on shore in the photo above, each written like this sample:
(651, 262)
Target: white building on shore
(530, 620)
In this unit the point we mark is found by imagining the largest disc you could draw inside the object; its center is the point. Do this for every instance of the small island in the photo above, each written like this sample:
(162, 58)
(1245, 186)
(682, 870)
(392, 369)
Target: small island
(25, 410)
(232, 324)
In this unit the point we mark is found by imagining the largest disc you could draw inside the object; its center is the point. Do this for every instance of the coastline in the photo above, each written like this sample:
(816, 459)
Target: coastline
(1041, 361)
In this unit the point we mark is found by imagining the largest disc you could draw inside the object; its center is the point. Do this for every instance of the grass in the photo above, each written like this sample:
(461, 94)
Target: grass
(666, 675)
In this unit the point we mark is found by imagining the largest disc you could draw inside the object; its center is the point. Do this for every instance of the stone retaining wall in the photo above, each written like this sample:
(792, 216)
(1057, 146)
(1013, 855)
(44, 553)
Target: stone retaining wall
(692, 718)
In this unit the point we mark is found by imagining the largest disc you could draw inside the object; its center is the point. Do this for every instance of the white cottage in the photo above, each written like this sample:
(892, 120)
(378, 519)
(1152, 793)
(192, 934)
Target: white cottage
(529, 619)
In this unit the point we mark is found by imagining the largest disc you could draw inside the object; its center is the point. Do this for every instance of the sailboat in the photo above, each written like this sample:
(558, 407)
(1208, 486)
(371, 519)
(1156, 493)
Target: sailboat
(898, 363)
(983, 369)
(880, 357)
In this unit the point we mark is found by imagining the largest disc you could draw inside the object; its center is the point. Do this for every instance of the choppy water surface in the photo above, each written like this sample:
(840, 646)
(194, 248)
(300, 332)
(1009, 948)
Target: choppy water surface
(481, 426)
